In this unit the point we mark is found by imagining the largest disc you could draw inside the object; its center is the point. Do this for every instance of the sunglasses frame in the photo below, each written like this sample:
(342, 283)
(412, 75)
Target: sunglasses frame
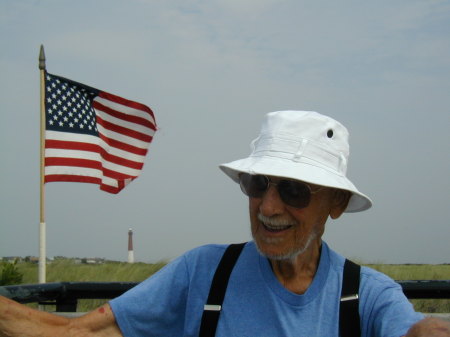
(281, 193)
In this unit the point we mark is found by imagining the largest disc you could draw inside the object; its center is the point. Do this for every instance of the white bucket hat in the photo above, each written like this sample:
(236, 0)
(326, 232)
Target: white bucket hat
(301, 145)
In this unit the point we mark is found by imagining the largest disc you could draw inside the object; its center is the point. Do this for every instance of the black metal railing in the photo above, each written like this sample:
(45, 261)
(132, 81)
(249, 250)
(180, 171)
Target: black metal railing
(65, 295)
(425, 289)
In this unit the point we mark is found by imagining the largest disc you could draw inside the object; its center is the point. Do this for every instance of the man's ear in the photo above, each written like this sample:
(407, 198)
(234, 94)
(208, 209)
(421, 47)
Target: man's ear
(339, 203)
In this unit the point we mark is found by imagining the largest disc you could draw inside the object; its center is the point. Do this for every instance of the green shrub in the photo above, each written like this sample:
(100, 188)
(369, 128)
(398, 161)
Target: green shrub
(10, 274)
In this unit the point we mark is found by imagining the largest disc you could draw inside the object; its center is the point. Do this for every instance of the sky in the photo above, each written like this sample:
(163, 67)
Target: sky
(210, 71)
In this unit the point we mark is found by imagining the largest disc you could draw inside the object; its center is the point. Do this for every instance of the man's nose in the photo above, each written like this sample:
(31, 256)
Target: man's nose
(271, 203)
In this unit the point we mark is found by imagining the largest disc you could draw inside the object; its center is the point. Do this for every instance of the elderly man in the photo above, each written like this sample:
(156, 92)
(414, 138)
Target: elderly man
(286, 282)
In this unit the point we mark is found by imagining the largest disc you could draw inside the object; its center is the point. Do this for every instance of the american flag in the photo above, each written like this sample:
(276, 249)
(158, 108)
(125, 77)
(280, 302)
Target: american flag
(92, 136)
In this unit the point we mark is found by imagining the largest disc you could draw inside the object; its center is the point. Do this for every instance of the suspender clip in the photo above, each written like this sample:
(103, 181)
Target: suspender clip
(212, 307)
(349, 298)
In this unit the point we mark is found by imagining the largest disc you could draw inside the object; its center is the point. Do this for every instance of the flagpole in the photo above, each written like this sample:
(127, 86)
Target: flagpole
(42, 226)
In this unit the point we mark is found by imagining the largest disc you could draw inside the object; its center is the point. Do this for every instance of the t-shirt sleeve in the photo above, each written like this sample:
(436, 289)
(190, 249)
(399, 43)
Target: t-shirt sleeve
(155, 307)
(385, 310)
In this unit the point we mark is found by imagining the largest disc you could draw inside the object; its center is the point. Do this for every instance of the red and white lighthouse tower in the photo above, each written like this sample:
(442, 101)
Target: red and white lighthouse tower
(130, 246)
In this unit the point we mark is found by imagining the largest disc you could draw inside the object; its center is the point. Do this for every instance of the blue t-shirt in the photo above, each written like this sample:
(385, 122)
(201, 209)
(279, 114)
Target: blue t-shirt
(170, 303)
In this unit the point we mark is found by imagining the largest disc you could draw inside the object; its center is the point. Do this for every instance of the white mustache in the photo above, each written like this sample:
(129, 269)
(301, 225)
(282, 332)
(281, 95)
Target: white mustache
(275, 221)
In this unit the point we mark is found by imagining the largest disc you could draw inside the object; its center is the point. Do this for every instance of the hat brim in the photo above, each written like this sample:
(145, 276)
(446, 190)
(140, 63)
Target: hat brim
(305, 171)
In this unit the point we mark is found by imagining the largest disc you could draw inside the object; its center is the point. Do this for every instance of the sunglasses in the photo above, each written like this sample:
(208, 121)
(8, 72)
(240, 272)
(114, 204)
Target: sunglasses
(293, 192)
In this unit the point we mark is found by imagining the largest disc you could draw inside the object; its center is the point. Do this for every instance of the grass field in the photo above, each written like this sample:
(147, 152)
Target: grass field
(68, 271)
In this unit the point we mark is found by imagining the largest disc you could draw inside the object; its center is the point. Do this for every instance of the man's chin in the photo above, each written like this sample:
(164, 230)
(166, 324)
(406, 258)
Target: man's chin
(273, 251)
(273, 254)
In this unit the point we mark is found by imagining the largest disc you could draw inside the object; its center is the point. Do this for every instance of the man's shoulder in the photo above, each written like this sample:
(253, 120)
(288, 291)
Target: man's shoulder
(209, 254)
(377, 278)
(368, 274)
(378, 286)
(370, 278)
(206, 250)
(201, 262)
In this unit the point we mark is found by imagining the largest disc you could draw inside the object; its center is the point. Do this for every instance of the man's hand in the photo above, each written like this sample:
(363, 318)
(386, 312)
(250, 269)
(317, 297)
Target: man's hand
(430, 327)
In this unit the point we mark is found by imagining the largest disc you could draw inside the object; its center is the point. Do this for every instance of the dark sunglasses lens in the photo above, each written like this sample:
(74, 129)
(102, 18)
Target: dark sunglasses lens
(253, 185)
(294, 193)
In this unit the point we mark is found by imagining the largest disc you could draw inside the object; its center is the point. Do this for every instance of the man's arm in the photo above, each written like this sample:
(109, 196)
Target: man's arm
(19, 320)
(430, 327)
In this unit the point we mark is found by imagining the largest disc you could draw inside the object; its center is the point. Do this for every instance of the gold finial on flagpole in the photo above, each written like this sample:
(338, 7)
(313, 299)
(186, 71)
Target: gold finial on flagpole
(42, 58)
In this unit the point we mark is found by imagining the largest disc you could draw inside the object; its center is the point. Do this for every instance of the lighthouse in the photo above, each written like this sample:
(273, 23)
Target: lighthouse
(130, 246)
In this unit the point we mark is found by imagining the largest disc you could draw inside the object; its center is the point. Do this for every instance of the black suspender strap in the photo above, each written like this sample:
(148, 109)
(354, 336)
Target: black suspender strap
(213, 306)
(349, 325)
